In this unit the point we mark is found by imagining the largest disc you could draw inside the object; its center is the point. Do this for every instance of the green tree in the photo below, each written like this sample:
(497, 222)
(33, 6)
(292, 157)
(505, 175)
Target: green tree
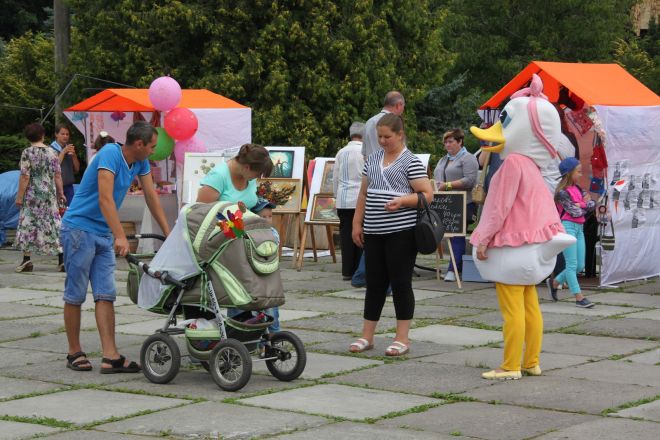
(19, 16)
(641, 56)
(26, 80)
(307, 67)
(495, 39)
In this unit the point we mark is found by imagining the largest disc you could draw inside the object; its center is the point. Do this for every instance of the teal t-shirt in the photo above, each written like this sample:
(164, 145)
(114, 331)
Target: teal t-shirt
(220, 180)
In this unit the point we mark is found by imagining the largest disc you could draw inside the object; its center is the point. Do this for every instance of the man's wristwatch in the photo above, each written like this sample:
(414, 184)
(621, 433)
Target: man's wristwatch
(447, 186)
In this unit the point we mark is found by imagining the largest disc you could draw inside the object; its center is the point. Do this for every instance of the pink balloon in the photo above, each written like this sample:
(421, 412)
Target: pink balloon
(192, 145)
(181, 123)
(164, 93)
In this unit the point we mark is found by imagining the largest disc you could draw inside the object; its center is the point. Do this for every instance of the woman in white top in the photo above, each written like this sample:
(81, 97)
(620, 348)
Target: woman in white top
(383, 224)
(346, 179)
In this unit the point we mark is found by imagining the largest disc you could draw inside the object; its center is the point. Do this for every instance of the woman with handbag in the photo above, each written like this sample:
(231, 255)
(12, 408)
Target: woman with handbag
(384, 224)
(457, 171)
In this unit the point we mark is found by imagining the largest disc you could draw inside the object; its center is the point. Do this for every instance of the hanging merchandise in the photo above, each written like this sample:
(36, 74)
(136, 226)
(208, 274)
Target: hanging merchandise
(598, 166)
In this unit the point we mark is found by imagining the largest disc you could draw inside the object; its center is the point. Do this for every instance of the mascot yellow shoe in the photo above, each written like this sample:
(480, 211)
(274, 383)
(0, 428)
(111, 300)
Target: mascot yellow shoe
(520, 234)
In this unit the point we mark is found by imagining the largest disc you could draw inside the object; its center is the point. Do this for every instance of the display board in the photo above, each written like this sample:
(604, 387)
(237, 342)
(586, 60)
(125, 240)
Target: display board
(195, 167)
(321, 184)
(451, 206)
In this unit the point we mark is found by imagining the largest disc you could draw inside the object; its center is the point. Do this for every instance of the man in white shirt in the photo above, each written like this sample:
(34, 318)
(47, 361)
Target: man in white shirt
(393, 103)
(346, 179)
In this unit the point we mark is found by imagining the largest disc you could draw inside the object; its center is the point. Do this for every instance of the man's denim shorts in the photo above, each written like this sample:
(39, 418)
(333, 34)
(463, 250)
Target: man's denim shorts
(88, 257)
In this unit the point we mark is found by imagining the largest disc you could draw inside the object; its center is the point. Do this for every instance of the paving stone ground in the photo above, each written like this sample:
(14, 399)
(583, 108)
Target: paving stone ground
(601, 368)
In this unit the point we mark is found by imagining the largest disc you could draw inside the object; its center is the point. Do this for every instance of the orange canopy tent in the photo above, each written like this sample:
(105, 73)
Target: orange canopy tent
(596, 84)
(223, 123)
(129, 100)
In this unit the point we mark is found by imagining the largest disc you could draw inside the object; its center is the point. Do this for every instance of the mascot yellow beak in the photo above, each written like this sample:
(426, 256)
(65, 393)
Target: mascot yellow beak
(493, 136)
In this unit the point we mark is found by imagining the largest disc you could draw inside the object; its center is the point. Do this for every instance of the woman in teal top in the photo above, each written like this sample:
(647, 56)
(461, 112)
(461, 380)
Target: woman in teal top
(236, 180)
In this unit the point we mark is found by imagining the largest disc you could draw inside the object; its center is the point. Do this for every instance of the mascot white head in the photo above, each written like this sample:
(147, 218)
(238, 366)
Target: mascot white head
(528, 125)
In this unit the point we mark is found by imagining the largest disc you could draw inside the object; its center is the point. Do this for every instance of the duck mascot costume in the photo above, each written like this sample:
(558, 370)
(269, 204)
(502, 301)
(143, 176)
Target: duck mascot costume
(520, 234)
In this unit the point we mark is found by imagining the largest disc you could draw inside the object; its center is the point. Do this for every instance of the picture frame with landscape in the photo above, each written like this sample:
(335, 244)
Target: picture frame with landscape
(327, 186)
(324, 209)
(286, 194)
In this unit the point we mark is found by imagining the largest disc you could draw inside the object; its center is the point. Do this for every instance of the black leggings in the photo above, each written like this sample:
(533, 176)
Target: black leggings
(390, 259)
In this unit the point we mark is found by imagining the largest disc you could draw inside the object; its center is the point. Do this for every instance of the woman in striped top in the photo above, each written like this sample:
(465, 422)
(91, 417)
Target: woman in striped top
(383, 224)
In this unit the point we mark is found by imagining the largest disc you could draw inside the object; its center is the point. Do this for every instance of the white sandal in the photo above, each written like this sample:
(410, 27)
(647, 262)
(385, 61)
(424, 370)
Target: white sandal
(360, 345)
(397, 349)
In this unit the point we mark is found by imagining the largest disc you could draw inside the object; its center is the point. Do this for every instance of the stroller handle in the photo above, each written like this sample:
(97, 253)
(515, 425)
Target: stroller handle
(156, 236)
(163, 276)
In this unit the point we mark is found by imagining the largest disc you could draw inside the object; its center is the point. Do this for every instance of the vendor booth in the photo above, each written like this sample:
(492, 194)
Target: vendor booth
(609, 112)
(222, 124)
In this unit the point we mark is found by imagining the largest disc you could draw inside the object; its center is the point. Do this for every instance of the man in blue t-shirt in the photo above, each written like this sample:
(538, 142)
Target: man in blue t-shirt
(91, 234)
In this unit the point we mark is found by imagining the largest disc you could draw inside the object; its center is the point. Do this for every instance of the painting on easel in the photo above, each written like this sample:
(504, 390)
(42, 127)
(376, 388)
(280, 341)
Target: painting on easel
(282, 163)
(284, 193)
(326, 181)
(324, 209)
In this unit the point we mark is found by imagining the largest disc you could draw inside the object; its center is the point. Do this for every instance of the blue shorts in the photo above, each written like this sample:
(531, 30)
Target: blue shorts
(88, 257)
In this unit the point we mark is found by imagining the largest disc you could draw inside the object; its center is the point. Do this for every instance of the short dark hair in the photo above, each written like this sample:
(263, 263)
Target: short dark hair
(140, 131)
(34, 132)
(256, 157)
(60, 126)
(101, 140)
(455, 133)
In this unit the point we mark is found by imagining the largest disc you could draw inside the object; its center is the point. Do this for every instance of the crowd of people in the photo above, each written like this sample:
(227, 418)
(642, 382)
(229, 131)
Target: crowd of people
(376, 181)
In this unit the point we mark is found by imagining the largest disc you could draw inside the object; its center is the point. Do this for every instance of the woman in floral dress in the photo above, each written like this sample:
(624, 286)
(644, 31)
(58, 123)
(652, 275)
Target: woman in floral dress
(39, 190)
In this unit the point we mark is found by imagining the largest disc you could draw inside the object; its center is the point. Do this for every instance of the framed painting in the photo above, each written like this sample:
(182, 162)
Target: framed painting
(326, 179)
(288, 162)
(195, 167)
(286, 194)
(324, 209)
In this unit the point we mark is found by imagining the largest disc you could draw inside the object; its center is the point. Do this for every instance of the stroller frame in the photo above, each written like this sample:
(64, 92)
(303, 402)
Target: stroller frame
(160, 355)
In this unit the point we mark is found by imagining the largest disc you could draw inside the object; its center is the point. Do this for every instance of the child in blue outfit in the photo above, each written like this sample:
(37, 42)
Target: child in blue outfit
(264, 209)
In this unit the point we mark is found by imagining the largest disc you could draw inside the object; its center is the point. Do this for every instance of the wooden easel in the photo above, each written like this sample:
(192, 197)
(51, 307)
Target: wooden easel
(452, 259)
(309, 226)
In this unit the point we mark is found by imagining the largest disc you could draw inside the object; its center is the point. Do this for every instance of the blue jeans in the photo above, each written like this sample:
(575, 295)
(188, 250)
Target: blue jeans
(360, 277)
(458, 243)
(574, 256)
(88, 258)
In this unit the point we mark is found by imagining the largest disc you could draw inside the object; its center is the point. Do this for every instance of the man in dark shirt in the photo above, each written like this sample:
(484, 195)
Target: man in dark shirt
(69, 162)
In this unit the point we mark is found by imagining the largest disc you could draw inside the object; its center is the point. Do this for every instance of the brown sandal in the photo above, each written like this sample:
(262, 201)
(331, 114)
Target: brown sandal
(78, 362)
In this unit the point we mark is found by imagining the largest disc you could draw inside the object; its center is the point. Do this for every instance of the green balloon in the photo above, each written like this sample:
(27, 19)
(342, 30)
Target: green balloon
(164, 145)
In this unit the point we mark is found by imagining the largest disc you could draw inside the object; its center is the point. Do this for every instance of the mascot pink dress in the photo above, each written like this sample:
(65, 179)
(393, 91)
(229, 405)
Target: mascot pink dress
(520, 234)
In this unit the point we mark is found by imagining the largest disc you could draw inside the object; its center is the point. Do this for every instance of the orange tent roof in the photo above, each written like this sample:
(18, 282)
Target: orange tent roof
(596, 84)
(111, 100)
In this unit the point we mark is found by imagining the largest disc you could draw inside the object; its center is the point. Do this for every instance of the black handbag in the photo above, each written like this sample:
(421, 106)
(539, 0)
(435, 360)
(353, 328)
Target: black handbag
(429, 229)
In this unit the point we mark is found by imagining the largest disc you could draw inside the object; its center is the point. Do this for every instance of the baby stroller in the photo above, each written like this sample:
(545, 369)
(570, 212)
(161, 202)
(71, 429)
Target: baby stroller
(216, 255)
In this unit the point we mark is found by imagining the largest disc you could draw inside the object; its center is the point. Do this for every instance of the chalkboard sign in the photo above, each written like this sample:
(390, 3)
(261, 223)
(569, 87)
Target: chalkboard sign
(451, 205)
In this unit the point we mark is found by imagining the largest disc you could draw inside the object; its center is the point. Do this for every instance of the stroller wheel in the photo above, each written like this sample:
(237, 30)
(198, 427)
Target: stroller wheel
(160, 357)
(290, 353)
(230, 365)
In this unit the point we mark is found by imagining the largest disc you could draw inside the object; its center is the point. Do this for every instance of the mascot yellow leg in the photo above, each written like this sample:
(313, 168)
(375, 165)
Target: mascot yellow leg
(523, 323)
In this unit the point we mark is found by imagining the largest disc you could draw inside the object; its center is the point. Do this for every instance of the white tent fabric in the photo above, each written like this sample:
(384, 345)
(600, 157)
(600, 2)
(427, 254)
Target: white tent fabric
(219, 128)
(633, 146)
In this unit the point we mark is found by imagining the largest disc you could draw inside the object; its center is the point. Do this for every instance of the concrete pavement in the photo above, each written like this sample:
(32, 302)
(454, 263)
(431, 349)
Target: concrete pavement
(601, 369)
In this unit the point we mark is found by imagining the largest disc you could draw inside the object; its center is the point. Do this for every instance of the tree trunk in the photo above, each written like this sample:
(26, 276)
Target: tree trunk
(62, 34)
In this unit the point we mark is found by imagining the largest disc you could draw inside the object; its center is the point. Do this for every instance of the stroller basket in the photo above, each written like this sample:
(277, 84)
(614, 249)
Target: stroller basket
(201, 342)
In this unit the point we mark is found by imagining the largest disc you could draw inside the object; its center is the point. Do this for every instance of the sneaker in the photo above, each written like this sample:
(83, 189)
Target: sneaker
(358, 286)
(551, 289)
(26, 266)
(449, 276)
(584, 303)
